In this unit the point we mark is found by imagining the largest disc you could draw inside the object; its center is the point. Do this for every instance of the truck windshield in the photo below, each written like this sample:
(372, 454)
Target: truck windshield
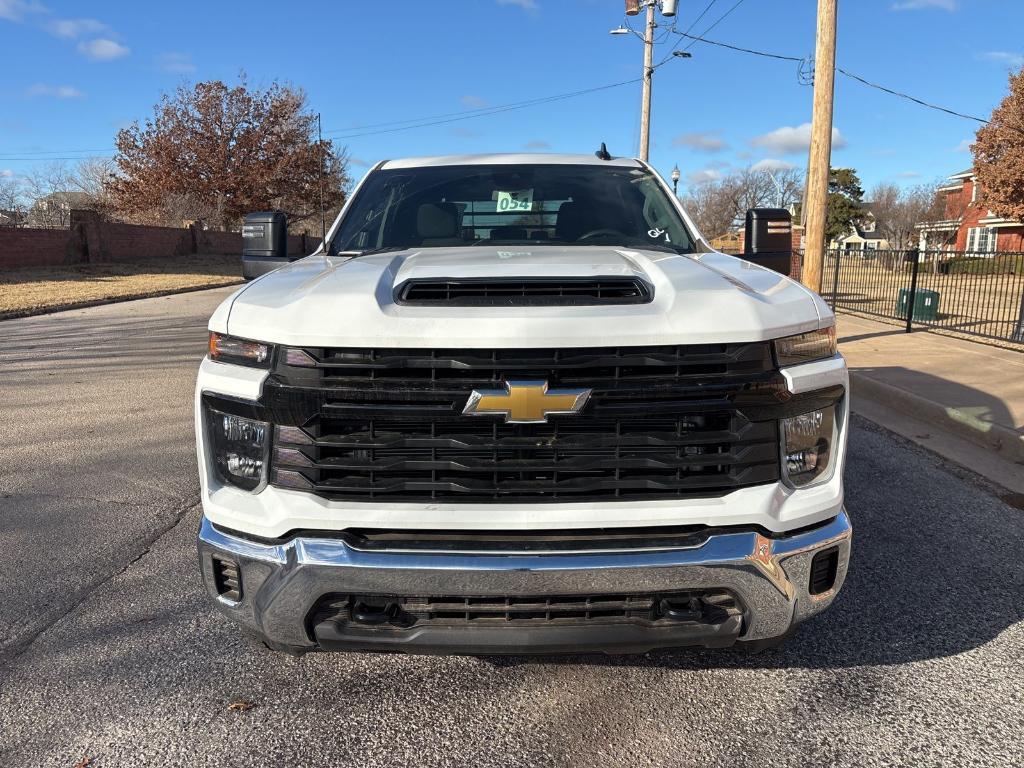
(463, 205)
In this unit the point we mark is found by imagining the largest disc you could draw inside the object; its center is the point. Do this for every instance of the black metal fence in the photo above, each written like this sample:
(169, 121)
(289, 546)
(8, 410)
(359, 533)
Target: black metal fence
(979, 294)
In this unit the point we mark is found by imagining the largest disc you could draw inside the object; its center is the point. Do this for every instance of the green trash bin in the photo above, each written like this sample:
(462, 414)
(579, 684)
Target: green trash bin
(926, 304)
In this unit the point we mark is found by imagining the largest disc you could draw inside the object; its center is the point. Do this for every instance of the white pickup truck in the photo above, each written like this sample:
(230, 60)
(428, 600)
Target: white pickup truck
(517, 404)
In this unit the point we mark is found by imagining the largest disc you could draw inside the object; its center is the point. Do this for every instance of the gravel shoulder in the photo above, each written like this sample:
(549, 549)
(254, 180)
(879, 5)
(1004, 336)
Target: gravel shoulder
(25, 292)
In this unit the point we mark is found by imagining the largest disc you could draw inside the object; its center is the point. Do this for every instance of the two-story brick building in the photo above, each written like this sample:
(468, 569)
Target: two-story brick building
(969, 226)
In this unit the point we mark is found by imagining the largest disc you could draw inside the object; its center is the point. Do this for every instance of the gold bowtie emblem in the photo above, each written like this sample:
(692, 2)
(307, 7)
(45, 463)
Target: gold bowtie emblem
(525, 402)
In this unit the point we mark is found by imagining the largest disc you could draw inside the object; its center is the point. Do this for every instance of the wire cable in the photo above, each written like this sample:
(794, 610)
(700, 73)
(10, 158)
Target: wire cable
(840, 70)
(487, 111)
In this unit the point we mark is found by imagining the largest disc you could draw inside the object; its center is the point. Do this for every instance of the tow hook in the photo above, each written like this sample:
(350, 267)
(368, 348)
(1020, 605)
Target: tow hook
(388, 613)
(681, 610)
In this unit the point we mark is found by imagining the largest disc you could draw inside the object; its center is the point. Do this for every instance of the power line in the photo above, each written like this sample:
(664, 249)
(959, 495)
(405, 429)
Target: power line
(703, 13)
(840, 70)
(699, 39)
(486, 111)
(689, 29)
(908, 97)
(403, 125)
(720, 19)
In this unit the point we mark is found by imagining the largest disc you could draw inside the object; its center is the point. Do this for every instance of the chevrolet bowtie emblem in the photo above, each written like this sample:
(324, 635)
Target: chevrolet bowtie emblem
(525, 402)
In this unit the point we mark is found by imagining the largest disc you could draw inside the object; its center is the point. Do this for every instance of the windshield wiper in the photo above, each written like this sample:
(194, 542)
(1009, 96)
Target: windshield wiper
(369, 251)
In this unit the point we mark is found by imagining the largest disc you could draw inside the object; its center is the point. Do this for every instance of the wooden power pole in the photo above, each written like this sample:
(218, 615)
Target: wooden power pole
(645, 105)
(819, 163)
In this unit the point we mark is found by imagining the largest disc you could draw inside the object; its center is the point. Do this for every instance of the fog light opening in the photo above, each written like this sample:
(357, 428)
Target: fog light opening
(227, 578)
(824, 567)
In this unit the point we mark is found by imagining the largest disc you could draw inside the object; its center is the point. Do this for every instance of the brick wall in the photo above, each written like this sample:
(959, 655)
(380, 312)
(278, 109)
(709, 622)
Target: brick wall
(32, 247)
(92, 239)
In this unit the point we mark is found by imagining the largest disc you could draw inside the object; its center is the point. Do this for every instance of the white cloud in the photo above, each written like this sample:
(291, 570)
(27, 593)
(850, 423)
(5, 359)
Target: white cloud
(57, 91)
(706, 141)
(789, 140)
(771, 164)
(17, 10)
(72, 28)
(537, 144)
(1014, 60)
(916, 5)
(703, 176)
(176, 62)
(102, 49)
(473, 102)
(964, 146)
(526, 5)
(6, 173)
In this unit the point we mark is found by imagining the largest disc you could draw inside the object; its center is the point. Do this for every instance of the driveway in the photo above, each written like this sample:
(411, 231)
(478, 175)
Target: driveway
(111, 650)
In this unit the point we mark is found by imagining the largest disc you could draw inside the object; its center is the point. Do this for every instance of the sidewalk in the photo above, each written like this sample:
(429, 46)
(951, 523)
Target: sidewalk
(966, 388)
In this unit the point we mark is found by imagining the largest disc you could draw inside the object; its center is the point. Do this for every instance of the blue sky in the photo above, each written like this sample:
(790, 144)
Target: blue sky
(76, 72)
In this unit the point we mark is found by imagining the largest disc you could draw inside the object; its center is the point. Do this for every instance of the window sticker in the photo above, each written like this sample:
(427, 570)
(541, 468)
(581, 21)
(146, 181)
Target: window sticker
(515, 200)
(658, 232)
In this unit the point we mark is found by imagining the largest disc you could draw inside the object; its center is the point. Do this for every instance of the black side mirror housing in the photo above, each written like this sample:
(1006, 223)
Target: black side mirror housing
(768, 239)
(264, 242)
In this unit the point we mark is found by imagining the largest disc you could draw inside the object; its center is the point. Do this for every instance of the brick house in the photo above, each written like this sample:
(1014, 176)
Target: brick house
(968, 226)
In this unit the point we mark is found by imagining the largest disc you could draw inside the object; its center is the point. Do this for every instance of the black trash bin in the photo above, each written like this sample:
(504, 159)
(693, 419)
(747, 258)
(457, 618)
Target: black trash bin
(264, 243)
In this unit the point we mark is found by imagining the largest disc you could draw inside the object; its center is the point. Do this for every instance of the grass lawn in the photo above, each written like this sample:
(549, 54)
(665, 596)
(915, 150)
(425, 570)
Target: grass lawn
(35, 290)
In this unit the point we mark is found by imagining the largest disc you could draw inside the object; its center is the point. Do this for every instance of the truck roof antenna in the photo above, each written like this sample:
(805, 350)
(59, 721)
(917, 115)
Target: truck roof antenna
(602, 153)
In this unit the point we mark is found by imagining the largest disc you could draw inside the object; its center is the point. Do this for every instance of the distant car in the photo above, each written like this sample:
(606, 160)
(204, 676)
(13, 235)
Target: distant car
(520, 405)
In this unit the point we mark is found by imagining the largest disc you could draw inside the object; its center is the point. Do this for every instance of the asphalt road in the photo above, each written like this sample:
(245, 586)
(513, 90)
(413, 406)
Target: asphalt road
(111, 651)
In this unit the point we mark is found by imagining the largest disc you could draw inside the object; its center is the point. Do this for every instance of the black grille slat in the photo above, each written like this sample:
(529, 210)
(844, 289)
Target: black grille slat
(705, 606)
(662, 422)
(489, 292)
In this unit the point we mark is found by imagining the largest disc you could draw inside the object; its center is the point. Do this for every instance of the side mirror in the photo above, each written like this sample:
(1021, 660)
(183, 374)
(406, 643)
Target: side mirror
(768, 240)
(264, 243)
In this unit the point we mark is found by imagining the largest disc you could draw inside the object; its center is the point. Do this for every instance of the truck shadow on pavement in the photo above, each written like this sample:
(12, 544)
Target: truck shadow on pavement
(936, 570)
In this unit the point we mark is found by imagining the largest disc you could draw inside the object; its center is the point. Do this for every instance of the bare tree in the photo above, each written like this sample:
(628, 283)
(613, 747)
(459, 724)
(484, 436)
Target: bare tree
(898, 211)
(717, 206)
(50, 189)
(12, 208)
(91, 177)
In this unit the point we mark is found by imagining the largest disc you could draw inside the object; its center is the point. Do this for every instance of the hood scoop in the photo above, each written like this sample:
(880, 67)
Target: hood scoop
(524, 292)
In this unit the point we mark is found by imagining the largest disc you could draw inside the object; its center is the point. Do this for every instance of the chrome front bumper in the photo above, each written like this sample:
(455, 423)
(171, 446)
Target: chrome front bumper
(282, 583)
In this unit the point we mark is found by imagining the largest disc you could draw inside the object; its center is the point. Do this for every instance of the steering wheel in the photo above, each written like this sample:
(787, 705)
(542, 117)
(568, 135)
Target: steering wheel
(597, 232)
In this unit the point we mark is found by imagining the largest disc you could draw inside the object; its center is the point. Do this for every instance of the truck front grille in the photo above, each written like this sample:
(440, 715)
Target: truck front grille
(707, 607)
(663, 422)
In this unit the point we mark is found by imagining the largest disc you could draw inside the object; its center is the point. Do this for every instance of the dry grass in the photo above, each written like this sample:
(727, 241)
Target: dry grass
(46, 289)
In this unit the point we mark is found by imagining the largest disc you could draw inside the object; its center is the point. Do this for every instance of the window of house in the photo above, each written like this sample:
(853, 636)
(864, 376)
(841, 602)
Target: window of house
(981, 239)
(974, 191)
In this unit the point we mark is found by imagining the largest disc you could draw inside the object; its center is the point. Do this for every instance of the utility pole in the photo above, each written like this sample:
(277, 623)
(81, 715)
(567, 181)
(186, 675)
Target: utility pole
(645, 107)
(819, 163)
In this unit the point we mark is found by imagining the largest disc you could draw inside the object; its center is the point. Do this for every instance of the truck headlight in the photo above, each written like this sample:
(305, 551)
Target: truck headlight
(229, 349)
(238, 448)
(806, 347)
(807, 446)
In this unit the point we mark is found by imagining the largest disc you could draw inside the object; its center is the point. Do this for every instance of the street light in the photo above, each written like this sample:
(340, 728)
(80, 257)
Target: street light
(668, 9)
(675, 180)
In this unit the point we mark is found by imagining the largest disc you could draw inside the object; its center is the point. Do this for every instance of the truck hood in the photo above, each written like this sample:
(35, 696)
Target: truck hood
(698, 298)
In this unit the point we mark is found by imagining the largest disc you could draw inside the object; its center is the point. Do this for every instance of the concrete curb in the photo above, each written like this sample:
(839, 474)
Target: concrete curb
(1004, 441)
(19, 313)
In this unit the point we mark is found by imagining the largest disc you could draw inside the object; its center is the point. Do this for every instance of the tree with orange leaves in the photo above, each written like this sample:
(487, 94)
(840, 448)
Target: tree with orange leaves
(220, 152)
